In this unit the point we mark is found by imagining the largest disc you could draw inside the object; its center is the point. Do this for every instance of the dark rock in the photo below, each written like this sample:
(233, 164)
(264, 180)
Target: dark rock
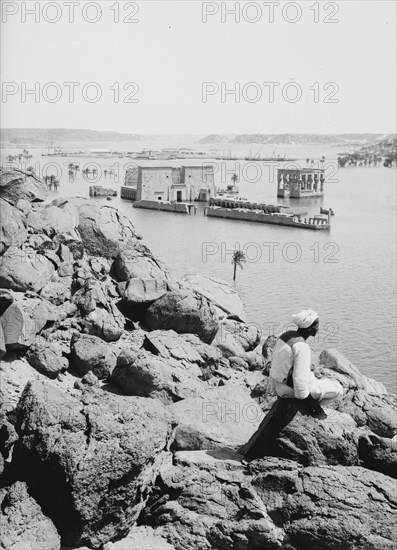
(267, 352)
(183, 311)
(23, 524)
(88, 379)
(23, 270)
(90, 353)
(13, 232)
(299, 430)
(90, 463)
(46, 358)
(327, 507)
(73, 243)
(378, 412)
(139, 294)
(378, 453)
(219, 417)
(6, 299)
(15, 185)
(219, 293)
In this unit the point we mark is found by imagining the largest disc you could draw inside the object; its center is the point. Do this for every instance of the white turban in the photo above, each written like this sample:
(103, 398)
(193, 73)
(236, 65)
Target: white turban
(305, 318)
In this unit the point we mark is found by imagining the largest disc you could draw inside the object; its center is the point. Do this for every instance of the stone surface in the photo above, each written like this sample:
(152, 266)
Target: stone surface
(23, 270)
(103, 229)
(136, 261)
(13, 232)
(139, 372)
(225, 416)
(15, 185)
(234, 339)
(56, 292)
(378, 412)
(219, 293)
(52, 219)
(24, 319)
(183, 311)
(378, 453)
(90, 353)
(140, 291)
(23, 526)
(90, 462)
(335, 365)
(140, 538)
(293, 430)
(47, 358)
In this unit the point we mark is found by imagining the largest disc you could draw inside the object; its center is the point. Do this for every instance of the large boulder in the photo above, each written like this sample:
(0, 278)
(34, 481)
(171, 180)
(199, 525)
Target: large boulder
(136, 261)
(378, 412)
(223, 296)
(328, 507)
(56, 292)
(13, 232)
(90, 353)
(16, 185)
(52, 219)
(139, 372)
(90, 463)
(103, 229)
(25, 318)
(139, 294)
(98, 314)
(224, 416)
(24, 270)
(334, 365)
(46, 357)
(292, 430)
(22, 523)
(140, 538)
(204, 500)
(183, 311)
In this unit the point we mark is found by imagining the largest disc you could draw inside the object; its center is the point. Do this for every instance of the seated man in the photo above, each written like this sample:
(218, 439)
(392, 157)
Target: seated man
(290, 373)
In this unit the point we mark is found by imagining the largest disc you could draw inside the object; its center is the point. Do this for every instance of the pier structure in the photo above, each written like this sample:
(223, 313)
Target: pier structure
(298, 182)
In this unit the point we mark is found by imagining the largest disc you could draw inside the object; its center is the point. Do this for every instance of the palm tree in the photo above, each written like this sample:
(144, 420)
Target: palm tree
(238, 260)
(234, 179)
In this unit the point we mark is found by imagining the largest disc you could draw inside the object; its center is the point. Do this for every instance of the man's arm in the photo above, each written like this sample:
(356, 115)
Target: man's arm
(301, 375)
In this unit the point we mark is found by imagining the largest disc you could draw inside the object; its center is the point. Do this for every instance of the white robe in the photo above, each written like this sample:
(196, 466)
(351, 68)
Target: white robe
(305, 383)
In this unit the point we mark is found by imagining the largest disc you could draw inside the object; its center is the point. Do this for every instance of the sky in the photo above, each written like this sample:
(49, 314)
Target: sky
(200, 67)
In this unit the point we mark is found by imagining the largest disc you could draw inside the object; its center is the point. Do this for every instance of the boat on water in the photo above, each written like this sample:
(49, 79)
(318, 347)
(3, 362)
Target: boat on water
(277, 218)
(272, 158)
(231, 192)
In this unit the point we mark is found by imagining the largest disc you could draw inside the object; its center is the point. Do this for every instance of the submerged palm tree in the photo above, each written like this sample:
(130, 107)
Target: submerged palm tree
(234, 179)
(238, 260)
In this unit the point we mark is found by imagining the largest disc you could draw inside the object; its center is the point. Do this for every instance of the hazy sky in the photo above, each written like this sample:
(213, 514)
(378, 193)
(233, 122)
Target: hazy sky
(345, 71)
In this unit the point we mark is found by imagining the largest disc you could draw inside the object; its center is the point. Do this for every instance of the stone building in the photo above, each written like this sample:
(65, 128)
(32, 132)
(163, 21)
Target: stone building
(297, 181)
(167, 183)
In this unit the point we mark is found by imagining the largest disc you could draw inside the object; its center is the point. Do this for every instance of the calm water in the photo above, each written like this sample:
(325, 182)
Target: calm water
(348, 275)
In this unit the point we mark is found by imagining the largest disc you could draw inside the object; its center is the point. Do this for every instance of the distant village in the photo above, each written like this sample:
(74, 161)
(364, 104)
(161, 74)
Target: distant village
(375, 154)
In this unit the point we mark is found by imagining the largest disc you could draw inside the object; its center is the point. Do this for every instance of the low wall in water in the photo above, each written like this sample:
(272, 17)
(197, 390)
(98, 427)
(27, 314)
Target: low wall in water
(179, 207)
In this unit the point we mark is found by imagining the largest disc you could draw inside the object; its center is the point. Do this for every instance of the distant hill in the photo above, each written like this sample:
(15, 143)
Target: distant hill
(297, 139)
(213, 138)
(56, 135)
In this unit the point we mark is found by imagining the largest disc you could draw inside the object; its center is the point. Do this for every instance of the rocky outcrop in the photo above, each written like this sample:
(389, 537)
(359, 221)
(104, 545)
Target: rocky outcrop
(103, 229)
(219, 417)
(183, 311)
(334, 365)
(16, 185)
(139, 372)
(22, 523)
(52, 220)
(136, 261)
(378, 412)
(90, 463)
(13, 232)
(90, 353)
(223, 297)
(208, 500)
(46, 357)
(23, 270)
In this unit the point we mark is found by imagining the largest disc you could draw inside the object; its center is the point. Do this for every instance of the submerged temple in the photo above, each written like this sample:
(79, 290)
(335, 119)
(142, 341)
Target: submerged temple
(298, 182)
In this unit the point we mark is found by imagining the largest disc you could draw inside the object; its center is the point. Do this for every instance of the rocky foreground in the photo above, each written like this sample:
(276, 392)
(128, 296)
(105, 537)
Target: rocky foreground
(126, 395)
